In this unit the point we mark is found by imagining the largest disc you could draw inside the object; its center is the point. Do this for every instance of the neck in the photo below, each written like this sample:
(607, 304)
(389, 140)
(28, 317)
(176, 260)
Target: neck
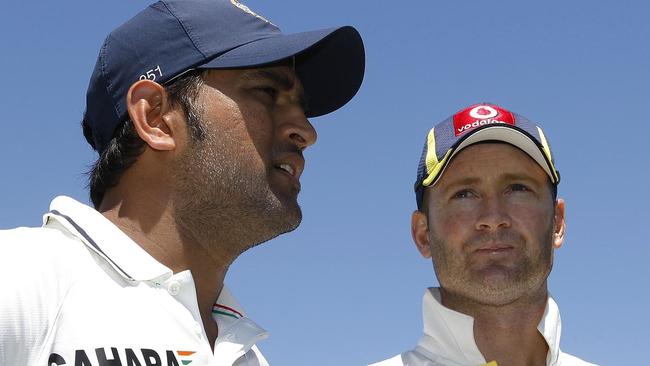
(507, 333)
(151, 223)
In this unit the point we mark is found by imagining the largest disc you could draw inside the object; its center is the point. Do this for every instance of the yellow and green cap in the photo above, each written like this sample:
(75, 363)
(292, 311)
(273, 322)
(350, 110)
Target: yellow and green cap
(480, 123)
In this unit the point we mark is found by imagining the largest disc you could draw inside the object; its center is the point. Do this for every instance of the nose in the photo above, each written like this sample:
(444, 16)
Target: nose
(493, 215)
(298, 130)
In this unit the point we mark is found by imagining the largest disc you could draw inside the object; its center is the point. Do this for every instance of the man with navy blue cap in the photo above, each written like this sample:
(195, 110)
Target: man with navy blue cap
(489, 219)
(198, 110)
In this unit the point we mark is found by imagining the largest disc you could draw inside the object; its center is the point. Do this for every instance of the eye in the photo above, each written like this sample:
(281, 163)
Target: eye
(518, 187)
(463, 193)
(268, 92)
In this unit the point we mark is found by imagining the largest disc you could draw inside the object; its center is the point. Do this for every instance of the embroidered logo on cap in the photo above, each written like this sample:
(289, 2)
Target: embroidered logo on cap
(483, 112)
(246, 9)
(480, 115)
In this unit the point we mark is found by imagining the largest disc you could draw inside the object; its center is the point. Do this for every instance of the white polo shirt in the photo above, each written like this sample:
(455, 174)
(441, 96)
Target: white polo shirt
(449, 338)
(78, 291)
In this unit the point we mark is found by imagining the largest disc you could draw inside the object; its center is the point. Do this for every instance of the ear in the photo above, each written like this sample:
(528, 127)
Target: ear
(151, 114)
(559, 224)
(420, 233)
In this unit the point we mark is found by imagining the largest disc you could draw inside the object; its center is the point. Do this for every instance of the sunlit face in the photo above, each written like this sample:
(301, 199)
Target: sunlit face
(492, 225)
(242, 177)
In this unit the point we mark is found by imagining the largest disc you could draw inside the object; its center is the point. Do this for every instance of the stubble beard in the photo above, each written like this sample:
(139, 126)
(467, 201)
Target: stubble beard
(224, 201)
(495, 284)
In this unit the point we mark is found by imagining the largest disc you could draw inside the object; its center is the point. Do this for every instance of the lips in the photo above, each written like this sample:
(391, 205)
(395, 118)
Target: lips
(494, 248)
(291, 164)
(287, 168)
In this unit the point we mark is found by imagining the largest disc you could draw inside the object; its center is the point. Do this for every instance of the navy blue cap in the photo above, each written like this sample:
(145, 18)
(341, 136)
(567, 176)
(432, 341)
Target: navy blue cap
(171, 37)
(478, 123)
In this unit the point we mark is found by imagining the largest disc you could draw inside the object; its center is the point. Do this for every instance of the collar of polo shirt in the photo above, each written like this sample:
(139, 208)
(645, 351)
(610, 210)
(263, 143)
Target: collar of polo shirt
(451, 334)
(237, 333)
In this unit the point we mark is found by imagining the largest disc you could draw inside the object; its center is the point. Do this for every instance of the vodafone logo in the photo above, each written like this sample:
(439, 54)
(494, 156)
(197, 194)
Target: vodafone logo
(483, 112)
(480, 115)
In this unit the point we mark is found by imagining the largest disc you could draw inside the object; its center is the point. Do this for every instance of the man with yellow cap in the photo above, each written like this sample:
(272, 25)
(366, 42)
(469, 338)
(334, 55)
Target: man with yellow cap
(489, 218)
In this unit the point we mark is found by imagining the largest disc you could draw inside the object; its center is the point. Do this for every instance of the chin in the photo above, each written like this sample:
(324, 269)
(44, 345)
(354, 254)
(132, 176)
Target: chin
(289, 219)
(498, 290)
(288, 213)
(498, 295)
(277, 220)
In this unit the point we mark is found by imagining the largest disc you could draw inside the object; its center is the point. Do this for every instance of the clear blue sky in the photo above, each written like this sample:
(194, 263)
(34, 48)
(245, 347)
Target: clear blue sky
(346, 287)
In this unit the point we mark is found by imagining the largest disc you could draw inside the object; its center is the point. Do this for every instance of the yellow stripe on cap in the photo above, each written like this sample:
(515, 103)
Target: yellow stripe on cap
(432, 158)
(433, 165)
(491, 363)
(547, 152)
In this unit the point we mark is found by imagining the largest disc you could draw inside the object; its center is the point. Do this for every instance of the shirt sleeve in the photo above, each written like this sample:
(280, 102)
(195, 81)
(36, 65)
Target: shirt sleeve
(34, 283)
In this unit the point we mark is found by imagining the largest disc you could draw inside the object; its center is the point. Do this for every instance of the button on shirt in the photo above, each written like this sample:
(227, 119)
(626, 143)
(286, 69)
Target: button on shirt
(81, 292)
(449, 338)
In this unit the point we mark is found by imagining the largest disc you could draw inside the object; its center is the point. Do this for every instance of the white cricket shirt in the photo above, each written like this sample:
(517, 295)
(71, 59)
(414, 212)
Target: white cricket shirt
(449, 338)
(78, 291)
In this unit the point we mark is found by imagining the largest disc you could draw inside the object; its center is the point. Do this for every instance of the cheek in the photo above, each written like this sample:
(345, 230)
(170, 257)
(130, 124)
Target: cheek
(535, 222)
(532, 212)
(259, 127)
(453, 227)
(221, 116)
(243, 130)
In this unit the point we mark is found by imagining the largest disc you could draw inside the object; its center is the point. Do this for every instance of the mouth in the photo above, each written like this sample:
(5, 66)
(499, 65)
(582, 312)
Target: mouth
(494, 249)
(290, 164)
(287, 168)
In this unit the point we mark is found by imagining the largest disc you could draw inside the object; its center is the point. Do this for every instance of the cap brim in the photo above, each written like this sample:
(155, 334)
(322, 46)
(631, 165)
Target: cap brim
(329, 62)
(507, 134)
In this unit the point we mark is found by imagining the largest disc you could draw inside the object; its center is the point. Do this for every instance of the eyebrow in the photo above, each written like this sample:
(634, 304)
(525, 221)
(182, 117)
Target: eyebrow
(519, 177)
(281, 79)
(464, 181)
(506, 177)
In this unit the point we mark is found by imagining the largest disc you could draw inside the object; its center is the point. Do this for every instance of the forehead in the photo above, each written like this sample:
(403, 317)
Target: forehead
(281, 71)
(491, 160)
(281, 76)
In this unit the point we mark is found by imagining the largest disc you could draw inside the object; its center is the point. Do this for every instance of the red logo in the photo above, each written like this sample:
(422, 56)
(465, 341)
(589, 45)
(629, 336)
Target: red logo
(480, 115)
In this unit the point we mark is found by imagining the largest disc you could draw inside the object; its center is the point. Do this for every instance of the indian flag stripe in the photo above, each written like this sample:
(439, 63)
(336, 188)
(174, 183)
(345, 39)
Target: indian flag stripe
(186, 362)
(227, 308)
(224, 313)
(185, 353)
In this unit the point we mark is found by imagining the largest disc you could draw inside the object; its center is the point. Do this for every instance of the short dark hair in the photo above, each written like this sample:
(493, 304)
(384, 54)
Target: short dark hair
(125, 146)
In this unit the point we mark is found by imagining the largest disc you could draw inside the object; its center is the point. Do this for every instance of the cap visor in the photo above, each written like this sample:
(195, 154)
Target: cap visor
(329, 62)
(510, 135)
(499, 133)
